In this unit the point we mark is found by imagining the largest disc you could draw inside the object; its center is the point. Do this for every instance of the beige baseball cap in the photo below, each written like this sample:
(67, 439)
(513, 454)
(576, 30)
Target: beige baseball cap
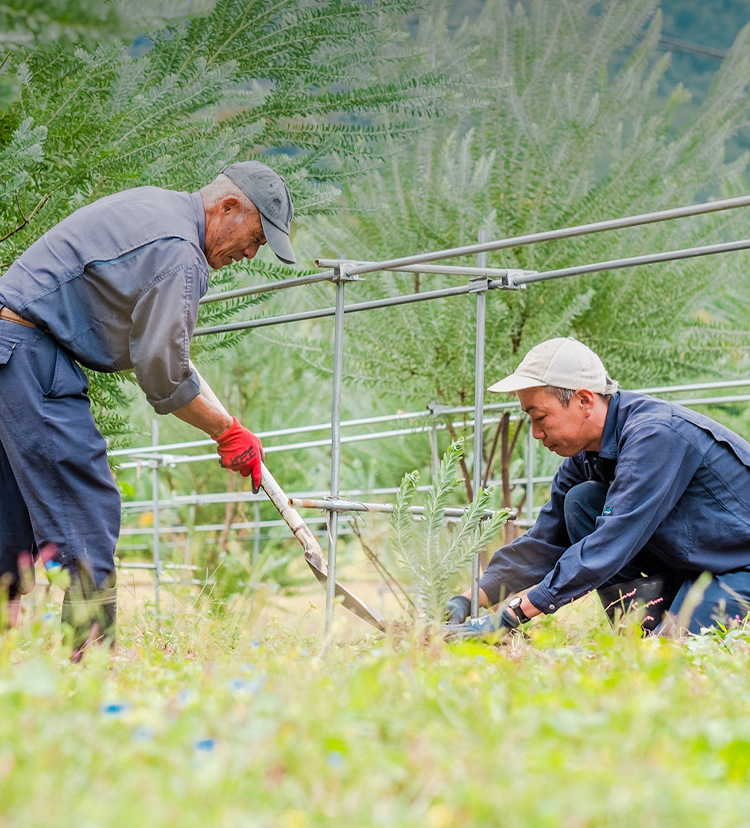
(563, 362)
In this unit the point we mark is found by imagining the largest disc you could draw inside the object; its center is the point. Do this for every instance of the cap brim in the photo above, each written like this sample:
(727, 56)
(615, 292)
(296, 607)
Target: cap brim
(515, 382)
(278, 241)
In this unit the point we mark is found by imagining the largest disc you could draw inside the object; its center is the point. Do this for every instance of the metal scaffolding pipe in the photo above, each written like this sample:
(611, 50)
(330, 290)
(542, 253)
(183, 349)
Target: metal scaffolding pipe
(269, 287)
(479, 336)
(151, 451)
(635, 261)
(442, 270)
(323, 313)
(338, 371)
(519, 280)
(408, 264)
(148, 458)
(340, 504)
(563, 233)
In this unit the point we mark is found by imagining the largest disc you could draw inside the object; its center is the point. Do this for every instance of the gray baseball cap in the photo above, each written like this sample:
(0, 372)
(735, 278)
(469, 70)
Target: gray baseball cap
(268, 192)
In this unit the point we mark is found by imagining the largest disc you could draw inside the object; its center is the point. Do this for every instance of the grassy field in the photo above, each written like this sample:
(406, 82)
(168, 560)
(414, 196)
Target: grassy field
(245, 718)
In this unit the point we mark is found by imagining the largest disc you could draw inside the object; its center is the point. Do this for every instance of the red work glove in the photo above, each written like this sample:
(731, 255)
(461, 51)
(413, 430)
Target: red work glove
(240, 450)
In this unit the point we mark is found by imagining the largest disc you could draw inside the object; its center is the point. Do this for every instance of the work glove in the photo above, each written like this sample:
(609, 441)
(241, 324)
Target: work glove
(496, 622)
(457, 610)
(240, 450)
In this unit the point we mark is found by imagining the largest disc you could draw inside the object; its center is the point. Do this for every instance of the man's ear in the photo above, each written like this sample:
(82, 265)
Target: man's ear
(229, 204)
(584, 399)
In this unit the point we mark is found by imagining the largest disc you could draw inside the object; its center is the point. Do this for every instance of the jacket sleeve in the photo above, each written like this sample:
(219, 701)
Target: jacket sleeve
(655, 466)
(164, 319)
(528, 559)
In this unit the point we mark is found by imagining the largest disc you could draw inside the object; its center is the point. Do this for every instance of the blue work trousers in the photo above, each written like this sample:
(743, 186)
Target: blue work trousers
(726, 597)
(56, 486)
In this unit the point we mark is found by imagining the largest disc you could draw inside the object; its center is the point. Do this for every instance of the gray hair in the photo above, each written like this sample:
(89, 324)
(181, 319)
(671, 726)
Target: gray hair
(223, 186)
(565, 395)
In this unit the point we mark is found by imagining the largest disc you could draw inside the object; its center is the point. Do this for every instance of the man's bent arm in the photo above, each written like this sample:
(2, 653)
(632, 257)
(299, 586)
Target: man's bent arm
(205, 415)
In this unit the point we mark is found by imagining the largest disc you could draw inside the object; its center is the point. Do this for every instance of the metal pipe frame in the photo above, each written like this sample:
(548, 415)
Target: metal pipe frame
(634, 261)
(151, 458)
(481, 282)
(552, 235)
(339, 504)
(405, 263)
(155, 494)
(514, 279)
(337, 384)
(149, 452)
(479, 337)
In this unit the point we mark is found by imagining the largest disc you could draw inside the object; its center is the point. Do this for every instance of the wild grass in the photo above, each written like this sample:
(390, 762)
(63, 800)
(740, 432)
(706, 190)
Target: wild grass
(222, 720)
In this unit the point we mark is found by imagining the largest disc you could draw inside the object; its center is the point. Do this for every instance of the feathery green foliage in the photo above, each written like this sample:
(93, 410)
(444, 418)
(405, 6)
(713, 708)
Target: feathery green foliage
(29, 22)
(562, 138)
(431, 556)
(558, 143)
(293, 82)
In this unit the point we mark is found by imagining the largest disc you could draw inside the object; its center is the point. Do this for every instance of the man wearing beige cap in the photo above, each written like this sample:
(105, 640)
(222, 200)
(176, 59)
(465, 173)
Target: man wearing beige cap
(114, 286)
(649, 495)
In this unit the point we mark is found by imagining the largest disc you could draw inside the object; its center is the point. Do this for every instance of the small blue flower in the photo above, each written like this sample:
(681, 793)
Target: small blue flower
(114, 709)
(49, 616)
(205, 745)
(335, 760)
(255, 644)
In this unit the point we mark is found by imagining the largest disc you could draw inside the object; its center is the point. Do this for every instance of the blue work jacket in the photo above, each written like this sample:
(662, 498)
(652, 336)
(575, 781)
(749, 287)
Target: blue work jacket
(117, 284)
(678, 484)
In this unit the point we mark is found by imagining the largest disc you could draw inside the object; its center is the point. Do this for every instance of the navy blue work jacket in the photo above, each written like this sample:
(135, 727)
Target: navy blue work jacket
(678, 484)
(117, 284)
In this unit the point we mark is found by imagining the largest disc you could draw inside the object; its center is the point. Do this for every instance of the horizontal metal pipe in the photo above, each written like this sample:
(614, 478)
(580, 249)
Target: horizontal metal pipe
(563, 233)
(334, 504)
(699, 386)
(147, 457)
(445, 270)
(405, 262)
(409, 415)
(269, 287)
(147, 451)
(265, 322)
(523, 279)
(636, 261)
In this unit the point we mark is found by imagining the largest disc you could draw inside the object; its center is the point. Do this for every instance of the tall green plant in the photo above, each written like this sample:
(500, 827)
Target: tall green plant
(432, 556)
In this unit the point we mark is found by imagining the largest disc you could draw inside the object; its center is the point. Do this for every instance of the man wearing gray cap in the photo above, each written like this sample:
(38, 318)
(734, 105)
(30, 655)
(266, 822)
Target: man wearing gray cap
(113, 286)
(649, 496)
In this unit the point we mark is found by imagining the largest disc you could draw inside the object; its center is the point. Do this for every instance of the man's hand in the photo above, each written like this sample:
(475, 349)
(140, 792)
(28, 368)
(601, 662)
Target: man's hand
(457, 610)
(240, 450)
(495, 622)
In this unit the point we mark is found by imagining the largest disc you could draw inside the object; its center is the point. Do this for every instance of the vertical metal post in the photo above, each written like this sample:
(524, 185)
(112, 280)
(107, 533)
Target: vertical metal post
(190, 534)
(434, 451)
(338, 370)
(256, 539)
(155, 495)
(530, 448)
(478, 413)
